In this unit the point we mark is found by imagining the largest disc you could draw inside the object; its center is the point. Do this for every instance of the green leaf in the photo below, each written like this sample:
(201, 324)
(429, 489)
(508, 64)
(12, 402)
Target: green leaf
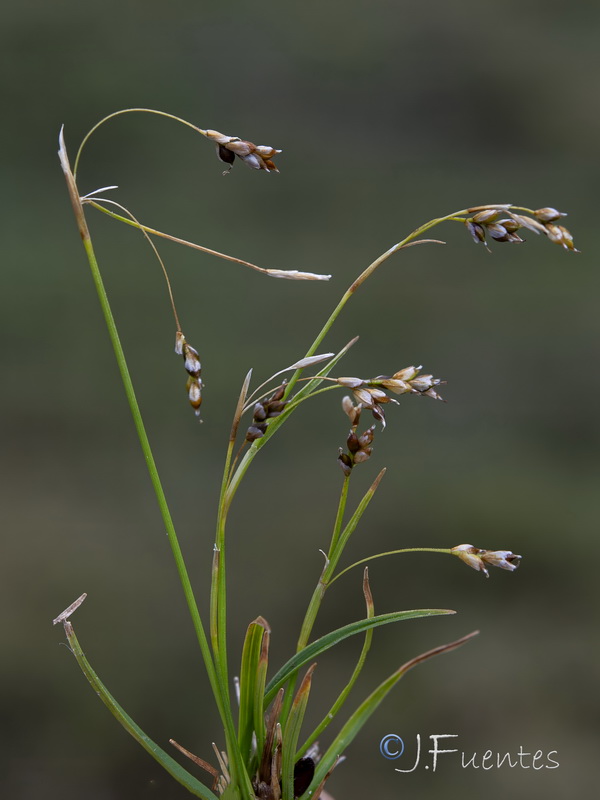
(191, 783)
(251, 658)
(331, 639)
(366, 708)
(291, 734)
(330, 716)
(259, 693)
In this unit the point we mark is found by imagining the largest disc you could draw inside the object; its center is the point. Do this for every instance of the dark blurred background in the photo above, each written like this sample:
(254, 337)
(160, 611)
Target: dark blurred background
(388, 114)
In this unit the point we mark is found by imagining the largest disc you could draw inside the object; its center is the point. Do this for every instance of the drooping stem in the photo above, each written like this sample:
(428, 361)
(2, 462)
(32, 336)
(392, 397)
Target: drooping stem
(445, 550)
(129, 111)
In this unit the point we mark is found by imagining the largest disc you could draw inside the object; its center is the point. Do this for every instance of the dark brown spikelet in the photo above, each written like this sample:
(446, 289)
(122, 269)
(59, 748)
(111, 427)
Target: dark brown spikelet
(359, 447)
(265, 410)
(194, 369)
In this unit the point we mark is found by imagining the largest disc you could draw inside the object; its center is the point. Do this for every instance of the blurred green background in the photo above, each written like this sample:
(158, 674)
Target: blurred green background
(388, 113)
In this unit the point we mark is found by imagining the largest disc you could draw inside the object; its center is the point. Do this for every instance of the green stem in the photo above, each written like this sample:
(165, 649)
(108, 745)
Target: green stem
(319, 592)
(219, 692)
(157, 486)
(337, 527)
(147, 451)
(317, 598)
(446, 550)
(95, 203)
(361, 279)
(219, 582)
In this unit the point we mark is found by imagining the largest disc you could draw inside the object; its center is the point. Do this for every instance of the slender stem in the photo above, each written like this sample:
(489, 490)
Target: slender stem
(137, 224)
(219, 692)
(219, 583)
(337, 527)
(362, 278)
(446, 550)
(129, 111)
(319, 591)
(317, 597)
(96, 204)
(153, 472)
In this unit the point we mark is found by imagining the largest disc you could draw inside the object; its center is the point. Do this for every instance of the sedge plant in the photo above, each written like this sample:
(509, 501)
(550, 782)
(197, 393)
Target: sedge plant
(264, 753)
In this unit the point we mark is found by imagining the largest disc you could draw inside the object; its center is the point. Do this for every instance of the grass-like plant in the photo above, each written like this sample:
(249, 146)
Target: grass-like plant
(263, 751)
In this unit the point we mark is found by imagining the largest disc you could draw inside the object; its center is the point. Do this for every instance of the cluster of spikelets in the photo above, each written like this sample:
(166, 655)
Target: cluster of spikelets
(502, 225)
(193, 367)
(256, 156)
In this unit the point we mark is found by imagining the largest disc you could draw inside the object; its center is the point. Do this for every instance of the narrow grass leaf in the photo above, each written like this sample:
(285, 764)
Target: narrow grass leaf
(259, 693)
(291, 735)
(251, 656)
(330, 639)
(366, 708)
(191, 783)
(330, 716)
(240, 407)
(264, 769)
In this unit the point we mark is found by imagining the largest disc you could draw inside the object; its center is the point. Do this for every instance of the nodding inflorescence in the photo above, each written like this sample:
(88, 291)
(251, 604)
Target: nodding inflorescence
(502, 225)
(194, 369)
(256, 156)
(370, 392)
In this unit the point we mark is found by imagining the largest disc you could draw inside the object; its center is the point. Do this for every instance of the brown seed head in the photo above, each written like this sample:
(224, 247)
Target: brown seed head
(560, 235)
(255, 431)
(345, 462)
(548, 214)
(406, 374)
(350, 383)
(477, 559)
(352, 443)
(486, 216)
(194, 368)
(527, 222)
(194, 389)
(191, 360)
(351, 411)
(510, 225)
(363, 455)
(498, 232)
(179, 342)
(367, 437)
(408, 380)
(476, 230)
(263, 411)
(260, 412)
(255, 156)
